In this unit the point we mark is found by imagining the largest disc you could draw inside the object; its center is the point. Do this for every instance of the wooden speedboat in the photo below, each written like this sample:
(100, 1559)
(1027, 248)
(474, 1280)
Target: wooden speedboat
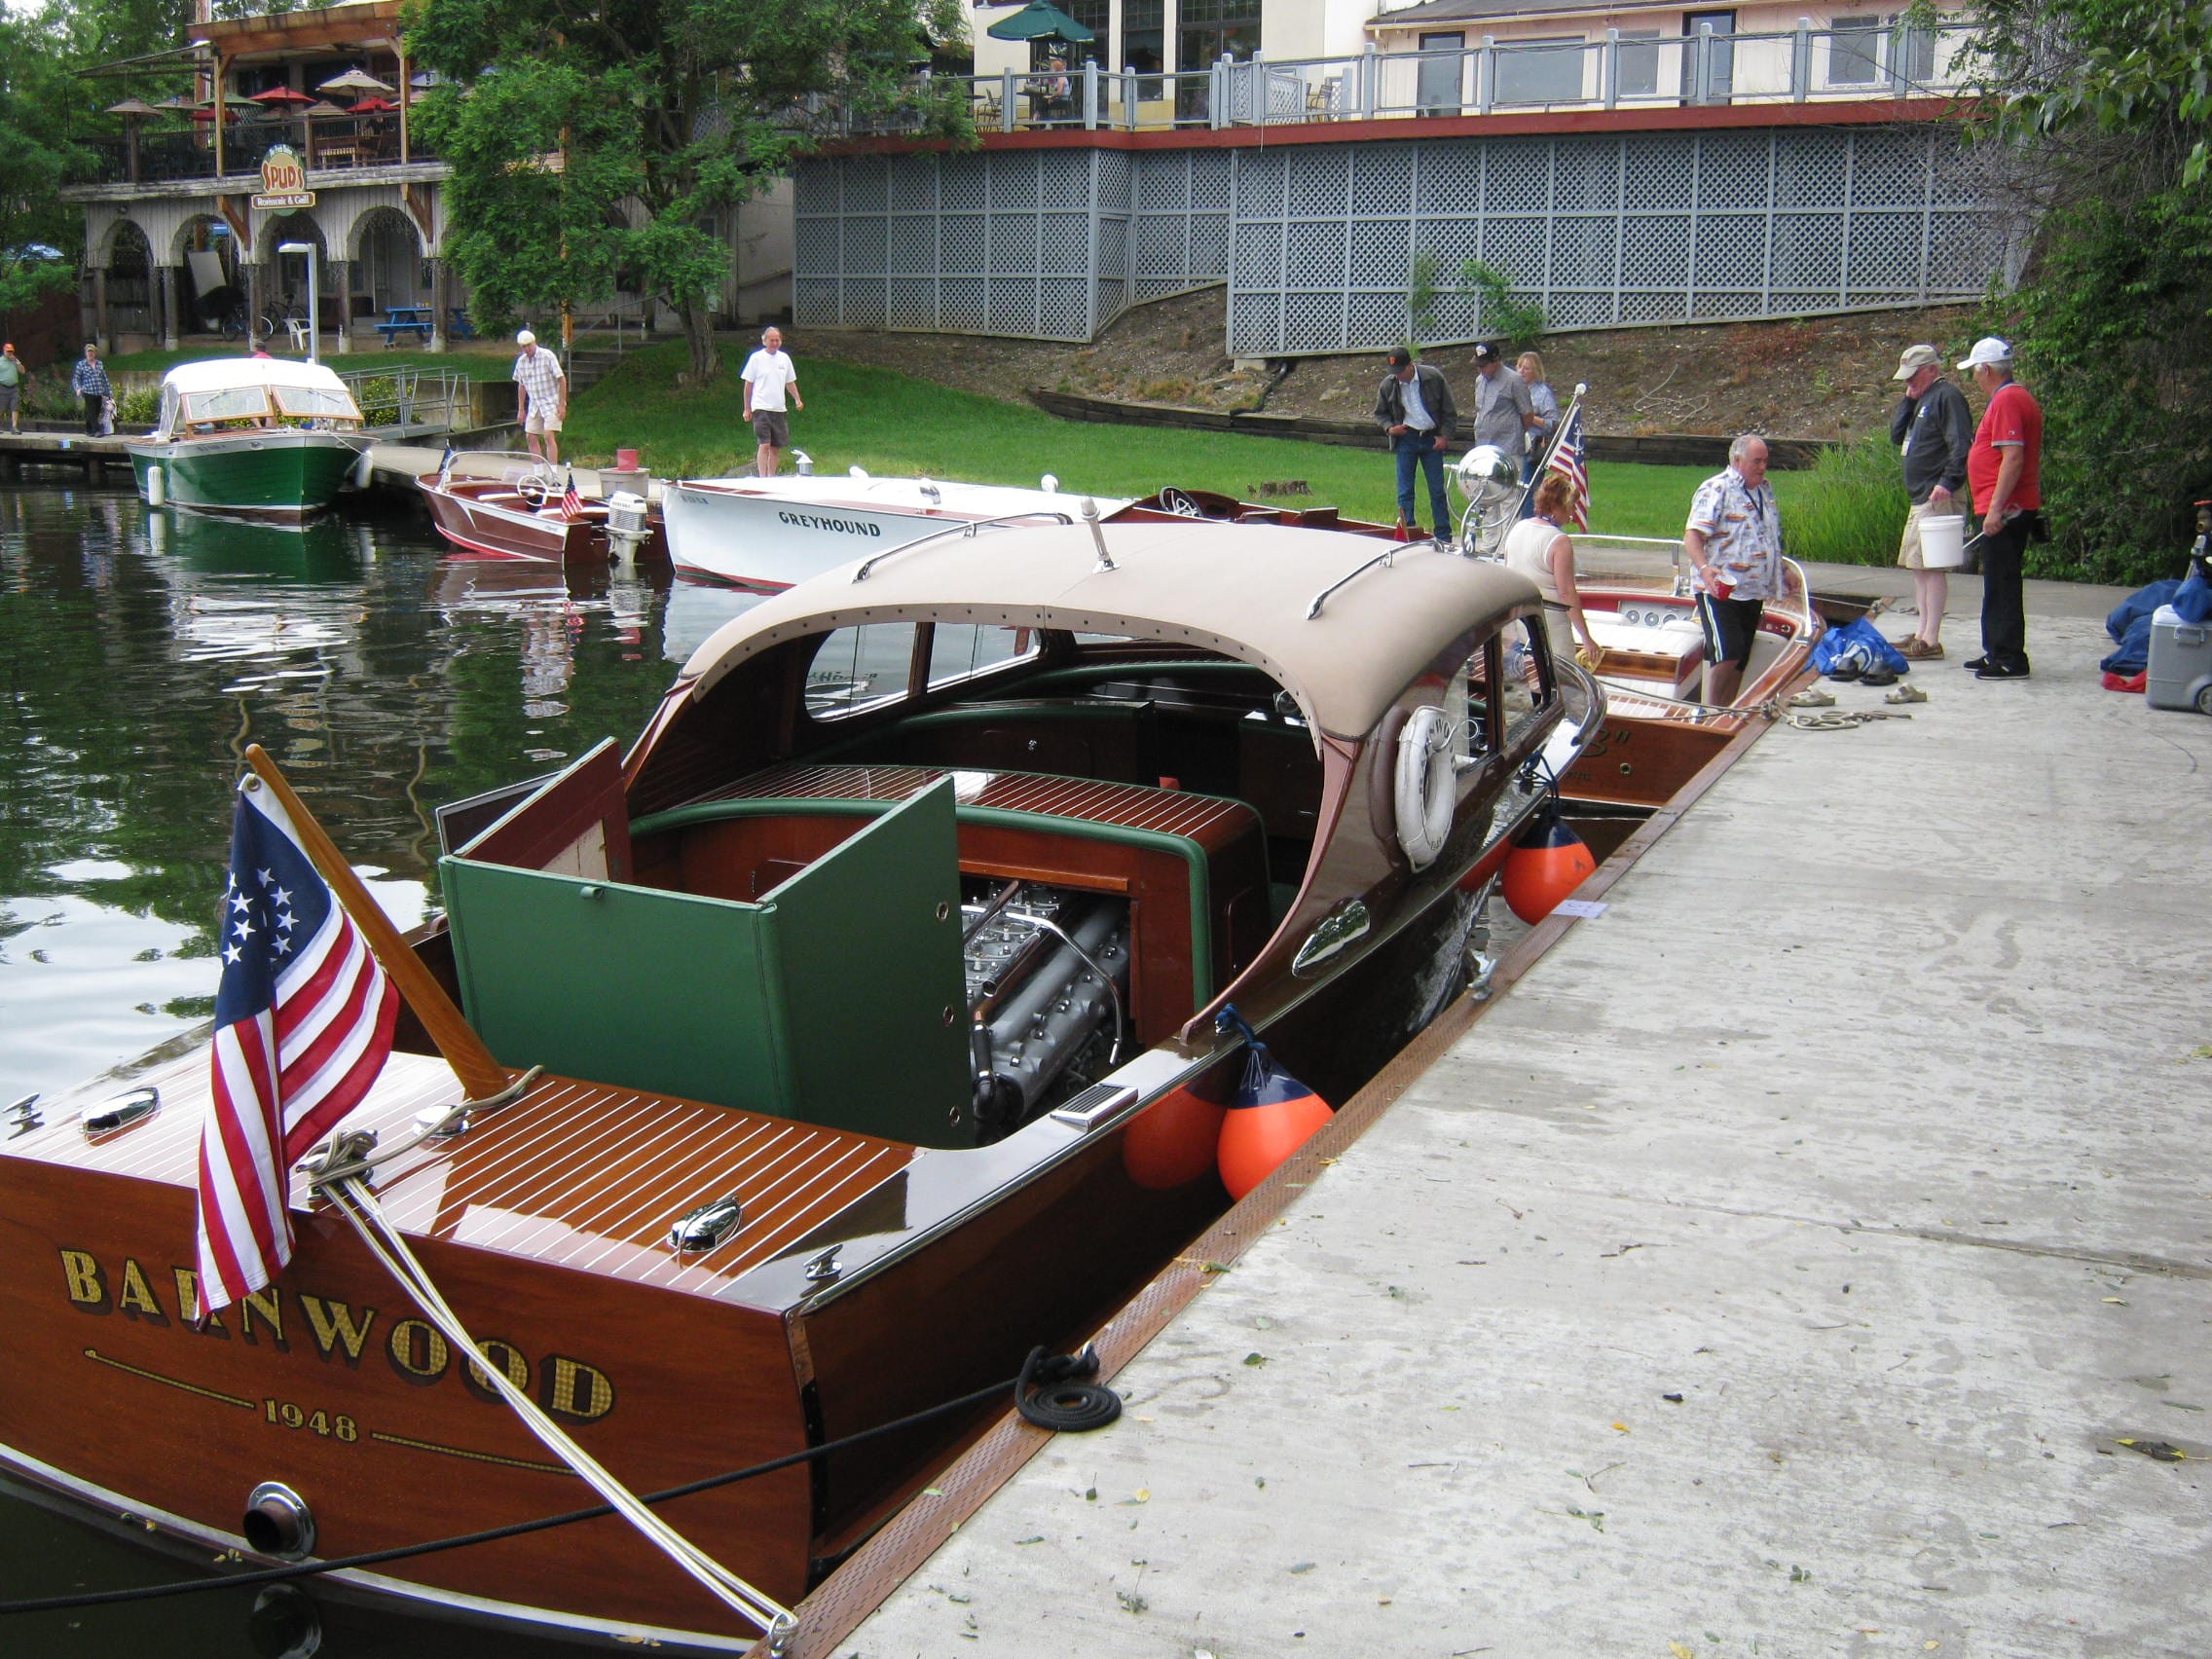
(1657, 734)
(512, 506)
(772, 533)
(877, 990)
(260, 436)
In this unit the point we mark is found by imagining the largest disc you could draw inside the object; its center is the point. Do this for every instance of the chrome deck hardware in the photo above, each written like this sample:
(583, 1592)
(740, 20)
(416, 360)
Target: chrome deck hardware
(120, 1112)
(706, 1226)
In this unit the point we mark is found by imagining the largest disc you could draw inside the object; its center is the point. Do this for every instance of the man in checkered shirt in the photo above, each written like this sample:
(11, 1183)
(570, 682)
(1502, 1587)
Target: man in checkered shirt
(1734, 543)
(543, 396)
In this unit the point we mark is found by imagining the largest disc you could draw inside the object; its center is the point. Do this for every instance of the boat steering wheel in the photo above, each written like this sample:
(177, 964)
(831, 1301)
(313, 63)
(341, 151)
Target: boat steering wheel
(1181, 505)
(534, 491)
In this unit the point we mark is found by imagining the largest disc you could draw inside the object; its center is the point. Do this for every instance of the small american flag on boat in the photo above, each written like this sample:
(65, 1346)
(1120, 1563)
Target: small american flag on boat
(1570, 458)
(303, 1022)
(571, 503)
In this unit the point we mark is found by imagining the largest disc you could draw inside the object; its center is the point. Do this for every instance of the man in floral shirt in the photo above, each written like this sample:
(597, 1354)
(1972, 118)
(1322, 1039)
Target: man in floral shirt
(1734, 543)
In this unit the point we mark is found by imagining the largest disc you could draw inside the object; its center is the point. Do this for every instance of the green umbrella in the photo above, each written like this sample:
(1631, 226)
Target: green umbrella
(1039, 20)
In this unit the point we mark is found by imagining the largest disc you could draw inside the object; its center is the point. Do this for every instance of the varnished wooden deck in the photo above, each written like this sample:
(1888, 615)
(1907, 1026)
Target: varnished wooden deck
(576, 1174)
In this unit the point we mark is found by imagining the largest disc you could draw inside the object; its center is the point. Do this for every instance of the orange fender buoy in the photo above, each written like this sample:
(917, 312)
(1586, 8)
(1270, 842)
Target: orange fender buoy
(1548, 862)
(1173, 1142)
(1270, 1116)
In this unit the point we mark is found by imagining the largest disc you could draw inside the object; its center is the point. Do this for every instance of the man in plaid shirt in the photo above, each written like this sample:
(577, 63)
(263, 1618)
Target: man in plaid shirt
(543, 396)
(90, 381)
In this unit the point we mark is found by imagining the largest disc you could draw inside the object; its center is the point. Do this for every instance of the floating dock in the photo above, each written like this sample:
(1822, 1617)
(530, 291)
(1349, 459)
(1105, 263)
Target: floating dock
(1809, 1255)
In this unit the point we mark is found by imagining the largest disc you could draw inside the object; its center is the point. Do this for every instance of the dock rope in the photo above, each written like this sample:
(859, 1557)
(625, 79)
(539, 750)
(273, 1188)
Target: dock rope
(359, 1206)
(1076, 1364)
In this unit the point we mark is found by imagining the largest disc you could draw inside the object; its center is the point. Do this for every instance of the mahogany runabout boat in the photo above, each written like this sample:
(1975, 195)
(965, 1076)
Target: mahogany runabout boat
(876, 992)
(511, 506)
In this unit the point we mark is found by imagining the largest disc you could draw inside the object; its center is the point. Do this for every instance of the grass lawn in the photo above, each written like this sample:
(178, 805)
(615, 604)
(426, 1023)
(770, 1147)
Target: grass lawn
(479, 360)
(895, 426)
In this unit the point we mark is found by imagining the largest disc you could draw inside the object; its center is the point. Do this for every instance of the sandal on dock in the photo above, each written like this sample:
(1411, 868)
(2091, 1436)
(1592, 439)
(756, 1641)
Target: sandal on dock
(1904, 695)
(1813, 697)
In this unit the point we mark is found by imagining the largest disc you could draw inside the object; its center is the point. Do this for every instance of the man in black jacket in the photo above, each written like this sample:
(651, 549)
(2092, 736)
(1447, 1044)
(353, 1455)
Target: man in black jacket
(1935, 428)
(1416, 409)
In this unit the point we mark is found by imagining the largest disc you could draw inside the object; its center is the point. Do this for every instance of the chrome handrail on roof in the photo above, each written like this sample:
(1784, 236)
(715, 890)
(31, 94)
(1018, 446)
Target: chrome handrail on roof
(1044, 515)
(1384, 559)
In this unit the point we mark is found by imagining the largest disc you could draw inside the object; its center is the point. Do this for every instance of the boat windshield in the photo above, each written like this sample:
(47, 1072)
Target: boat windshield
(226, 403)
(316, 401)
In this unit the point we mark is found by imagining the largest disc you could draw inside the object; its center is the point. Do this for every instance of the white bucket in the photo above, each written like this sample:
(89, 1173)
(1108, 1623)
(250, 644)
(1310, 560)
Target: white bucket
(1942, 541)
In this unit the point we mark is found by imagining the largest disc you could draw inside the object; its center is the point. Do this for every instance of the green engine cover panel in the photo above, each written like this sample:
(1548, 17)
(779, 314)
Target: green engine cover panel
(825, 1002)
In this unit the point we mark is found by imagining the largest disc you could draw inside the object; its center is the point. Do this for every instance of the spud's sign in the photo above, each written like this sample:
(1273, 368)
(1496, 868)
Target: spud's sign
(283, 181)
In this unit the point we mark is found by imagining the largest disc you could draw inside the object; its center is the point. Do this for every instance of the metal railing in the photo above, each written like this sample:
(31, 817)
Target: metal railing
(1622, 69)
(402, 395)
(338, 143)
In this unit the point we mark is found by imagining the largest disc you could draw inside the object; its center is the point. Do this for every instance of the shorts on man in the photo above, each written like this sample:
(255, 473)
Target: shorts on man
(10, 399)
(1911, 555)
(1729, 627)
(540, 422)
(772, 426)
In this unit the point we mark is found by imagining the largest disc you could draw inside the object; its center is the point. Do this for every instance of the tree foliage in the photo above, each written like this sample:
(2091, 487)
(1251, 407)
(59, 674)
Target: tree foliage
(2110, 104)
(594, 142)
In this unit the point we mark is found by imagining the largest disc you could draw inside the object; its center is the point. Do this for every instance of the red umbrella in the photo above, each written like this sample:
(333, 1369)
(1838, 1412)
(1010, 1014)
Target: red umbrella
(282, 96)
(373, 105)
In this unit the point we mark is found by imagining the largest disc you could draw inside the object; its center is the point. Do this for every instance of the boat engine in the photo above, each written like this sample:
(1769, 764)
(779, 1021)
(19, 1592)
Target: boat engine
(1047, 984)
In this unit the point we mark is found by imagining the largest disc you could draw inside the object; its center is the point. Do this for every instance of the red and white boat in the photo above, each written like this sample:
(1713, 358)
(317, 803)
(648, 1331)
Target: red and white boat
(511, 506)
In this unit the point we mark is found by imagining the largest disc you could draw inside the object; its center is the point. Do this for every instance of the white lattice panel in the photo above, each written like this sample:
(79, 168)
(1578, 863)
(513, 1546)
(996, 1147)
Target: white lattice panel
(1632, 227)
(1320, 183)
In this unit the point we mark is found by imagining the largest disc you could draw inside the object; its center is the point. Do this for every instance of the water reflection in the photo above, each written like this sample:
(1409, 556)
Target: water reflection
(142, 650)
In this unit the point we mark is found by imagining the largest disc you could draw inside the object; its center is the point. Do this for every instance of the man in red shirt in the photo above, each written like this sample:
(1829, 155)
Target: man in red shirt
(2004, 473)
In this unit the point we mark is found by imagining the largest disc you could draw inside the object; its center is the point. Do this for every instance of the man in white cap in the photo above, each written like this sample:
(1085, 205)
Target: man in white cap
(542, 395)
(2003, 471)
(1934, 428)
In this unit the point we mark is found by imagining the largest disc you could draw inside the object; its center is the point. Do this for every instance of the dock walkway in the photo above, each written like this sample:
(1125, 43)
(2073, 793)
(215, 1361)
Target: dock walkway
(1779, 1267)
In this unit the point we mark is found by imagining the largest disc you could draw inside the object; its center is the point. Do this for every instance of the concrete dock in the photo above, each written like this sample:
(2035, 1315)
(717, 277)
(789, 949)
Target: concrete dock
(1782, 1266)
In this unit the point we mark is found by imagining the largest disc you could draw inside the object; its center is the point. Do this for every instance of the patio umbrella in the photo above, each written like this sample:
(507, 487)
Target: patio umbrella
(373, 105)
(280, 96)
(322, 109)
(134, 111)
(1039, 20)
(353, 81)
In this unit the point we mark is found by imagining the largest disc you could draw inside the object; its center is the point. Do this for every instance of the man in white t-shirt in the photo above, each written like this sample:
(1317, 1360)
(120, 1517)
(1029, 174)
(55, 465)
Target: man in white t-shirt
(768, 375)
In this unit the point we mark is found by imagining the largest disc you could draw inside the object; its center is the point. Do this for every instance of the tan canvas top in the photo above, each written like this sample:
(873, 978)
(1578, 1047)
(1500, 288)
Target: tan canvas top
(1242, 590)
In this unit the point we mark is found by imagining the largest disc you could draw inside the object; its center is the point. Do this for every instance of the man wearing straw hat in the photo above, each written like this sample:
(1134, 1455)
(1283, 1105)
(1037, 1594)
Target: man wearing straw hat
(1933, 430)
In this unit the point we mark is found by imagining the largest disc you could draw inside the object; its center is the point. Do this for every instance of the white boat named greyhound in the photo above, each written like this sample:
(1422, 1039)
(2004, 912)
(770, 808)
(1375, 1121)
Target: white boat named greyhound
(774, 533)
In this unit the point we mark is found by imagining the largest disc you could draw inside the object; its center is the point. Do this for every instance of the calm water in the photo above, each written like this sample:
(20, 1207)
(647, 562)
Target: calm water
(140, 651)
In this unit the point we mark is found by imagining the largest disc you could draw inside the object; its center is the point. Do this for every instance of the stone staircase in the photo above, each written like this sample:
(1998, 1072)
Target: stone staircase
(588, 365)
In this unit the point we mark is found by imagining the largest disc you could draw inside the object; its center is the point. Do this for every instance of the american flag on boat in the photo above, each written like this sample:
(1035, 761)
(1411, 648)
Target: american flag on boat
(571, 503)
(303, 1022)
(1569, 457)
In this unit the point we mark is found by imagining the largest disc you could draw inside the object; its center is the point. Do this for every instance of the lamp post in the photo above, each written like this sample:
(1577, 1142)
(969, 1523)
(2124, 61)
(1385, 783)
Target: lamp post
(314, 311)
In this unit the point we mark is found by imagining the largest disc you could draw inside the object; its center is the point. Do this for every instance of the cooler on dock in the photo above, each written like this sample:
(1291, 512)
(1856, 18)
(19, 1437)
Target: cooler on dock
(2181, 662)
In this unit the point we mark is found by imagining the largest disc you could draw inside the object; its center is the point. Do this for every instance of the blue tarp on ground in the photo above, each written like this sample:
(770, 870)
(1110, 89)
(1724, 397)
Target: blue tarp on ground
(2129, 624)
(1860, 643)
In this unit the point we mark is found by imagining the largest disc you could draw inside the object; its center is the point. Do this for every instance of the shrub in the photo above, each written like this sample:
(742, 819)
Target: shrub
(1851, 508)
(136, 408)
(378, 398)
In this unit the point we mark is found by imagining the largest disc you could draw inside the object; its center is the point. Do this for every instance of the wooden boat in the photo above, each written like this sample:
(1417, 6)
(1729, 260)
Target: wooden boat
(877, 990)
(1658, 734)
(772, 533)
(508, 507)
(261, 436)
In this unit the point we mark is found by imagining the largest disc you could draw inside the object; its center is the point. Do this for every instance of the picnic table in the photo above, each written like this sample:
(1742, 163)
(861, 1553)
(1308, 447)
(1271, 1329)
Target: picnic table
(403, 319)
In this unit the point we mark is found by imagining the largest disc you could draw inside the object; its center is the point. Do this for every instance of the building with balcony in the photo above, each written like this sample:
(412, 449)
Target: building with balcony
(1618, 165)
(176, 245)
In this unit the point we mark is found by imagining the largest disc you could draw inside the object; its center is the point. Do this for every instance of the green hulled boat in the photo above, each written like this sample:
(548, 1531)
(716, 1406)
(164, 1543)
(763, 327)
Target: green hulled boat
(258, 435)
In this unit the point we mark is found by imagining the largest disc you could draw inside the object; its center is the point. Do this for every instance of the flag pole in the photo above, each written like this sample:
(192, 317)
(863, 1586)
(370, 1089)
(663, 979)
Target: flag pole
(481, 1076)
(1544, 462)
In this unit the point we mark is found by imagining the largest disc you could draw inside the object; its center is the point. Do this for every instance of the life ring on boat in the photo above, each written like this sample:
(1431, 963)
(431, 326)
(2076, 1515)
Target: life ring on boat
(1428, 784)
